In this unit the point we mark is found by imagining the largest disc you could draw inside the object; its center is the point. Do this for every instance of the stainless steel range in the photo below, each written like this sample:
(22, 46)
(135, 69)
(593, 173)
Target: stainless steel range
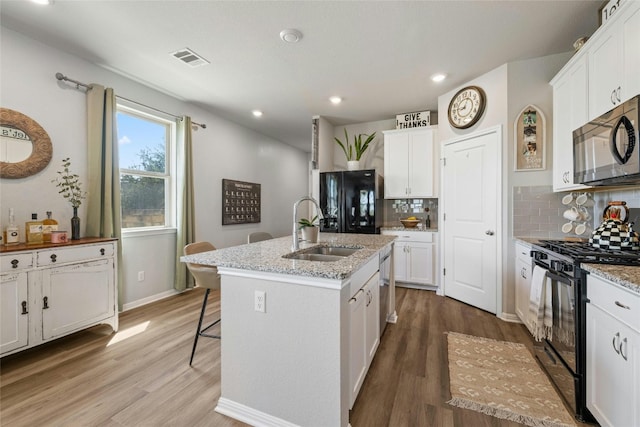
(563, 356)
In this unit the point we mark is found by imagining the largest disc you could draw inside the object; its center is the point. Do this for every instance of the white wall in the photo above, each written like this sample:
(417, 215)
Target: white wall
(509, 88)
(222, 150)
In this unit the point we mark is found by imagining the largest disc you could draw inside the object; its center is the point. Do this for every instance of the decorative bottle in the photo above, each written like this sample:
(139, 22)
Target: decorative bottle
(48, 225)
(11, 232)
(33, 230)
(75, 225)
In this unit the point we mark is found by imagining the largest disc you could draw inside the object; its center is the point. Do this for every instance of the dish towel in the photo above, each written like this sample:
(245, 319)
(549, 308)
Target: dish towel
(564, 329)
(540, 316)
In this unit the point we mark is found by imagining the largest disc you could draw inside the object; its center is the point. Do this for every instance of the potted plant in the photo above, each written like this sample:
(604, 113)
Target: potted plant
(71, 189)
(354, 151)
(309, 229)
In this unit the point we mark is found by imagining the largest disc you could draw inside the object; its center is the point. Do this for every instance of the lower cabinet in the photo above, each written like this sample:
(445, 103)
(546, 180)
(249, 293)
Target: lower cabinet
(523, 272)
(613, 353)
(414, 257)
(53, 291)
(364, 333)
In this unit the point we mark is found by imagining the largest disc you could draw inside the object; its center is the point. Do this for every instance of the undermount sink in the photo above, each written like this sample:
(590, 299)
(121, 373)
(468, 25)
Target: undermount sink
(322, 253)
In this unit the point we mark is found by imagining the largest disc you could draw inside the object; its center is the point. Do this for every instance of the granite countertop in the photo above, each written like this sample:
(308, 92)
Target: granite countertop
(623, 275)
(267, 256)
(401, 228)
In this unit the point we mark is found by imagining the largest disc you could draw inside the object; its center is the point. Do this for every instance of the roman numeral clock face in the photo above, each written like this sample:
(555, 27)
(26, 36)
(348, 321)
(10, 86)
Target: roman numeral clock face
(466, 107)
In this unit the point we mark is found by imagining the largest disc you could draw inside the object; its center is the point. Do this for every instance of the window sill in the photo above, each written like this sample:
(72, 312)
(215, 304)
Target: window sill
(143, 232)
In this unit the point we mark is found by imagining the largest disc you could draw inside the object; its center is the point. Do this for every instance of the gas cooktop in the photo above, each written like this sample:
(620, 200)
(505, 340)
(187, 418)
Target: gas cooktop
(583, 252)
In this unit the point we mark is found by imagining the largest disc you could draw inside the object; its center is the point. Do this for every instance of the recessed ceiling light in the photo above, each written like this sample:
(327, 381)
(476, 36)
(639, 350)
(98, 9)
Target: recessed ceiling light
(438, 77)
(43, 2)
(290, 35)
(257, 113)
(335, 100)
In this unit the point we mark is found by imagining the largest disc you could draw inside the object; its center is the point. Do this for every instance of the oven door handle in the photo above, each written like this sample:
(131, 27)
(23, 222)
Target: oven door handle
(559, 278)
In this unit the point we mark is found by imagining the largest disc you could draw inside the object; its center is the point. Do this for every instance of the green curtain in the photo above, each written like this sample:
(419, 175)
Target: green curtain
(185, 218)
(103, 189)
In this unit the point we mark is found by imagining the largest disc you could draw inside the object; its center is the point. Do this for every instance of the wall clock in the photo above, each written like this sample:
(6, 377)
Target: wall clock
(466, 107)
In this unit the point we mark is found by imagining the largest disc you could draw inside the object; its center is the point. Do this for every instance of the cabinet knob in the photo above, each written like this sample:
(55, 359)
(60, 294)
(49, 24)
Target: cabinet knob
(102, 251)
(45, 303)
(14, 263)
(489, 233)
(53, 257)
(24, 307)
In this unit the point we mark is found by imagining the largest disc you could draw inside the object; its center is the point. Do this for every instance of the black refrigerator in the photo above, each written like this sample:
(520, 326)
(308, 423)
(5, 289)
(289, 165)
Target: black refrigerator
(351, 201)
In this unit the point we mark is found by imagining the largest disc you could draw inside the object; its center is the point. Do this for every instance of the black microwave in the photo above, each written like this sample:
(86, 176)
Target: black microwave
(606, 151)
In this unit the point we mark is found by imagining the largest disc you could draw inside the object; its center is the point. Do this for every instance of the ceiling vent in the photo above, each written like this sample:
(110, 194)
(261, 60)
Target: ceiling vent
(189, 57)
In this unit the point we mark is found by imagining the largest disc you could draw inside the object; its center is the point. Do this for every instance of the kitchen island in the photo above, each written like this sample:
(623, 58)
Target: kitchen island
(287, 339)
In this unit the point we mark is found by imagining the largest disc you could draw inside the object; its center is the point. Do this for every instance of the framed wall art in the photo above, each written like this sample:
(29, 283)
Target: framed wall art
(529, 129)
(240, 202)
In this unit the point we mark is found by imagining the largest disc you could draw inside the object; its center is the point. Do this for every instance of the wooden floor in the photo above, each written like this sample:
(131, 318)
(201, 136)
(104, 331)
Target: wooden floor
(145, 380)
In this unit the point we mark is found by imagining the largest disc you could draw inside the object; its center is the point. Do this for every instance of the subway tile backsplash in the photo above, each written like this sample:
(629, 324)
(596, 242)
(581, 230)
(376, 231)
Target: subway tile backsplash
(394, 210)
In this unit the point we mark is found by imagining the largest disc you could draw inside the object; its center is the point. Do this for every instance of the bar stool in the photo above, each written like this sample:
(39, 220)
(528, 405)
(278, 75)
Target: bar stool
(207, 277)
(258, 236)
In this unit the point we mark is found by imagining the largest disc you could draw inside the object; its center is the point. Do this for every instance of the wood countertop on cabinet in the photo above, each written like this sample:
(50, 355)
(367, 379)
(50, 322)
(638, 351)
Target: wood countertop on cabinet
(30, 247)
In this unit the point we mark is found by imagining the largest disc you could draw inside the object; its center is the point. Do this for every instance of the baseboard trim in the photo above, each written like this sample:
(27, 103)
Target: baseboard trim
(510, 317)
(249, 415)
(147, 300)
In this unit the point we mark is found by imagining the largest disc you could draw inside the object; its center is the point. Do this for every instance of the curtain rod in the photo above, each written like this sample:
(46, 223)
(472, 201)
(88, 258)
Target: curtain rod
(62, 77)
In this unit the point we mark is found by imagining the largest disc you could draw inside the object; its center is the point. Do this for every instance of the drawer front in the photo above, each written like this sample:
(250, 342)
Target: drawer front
(615, 300)
(523, 252)
(411, 236)
(16, 262)
(74, 254)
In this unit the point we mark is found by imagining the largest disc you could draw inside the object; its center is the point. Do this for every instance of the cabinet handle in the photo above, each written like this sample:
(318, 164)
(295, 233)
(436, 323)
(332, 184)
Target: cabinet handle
(24, 307)
(615, 348)
(45, 303)
(101, 251)
(14, 263)
(624, 356)
(613, 97)
(618, 93)
(489, 233)
(619, 304)
(53, 257)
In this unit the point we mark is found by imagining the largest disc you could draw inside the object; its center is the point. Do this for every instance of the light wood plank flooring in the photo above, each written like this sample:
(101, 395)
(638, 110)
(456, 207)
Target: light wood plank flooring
(145, 379)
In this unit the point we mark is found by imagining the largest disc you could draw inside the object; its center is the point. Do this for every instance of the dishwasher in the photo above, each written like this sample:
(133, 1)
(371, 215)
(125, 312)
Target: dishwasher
(385, 283)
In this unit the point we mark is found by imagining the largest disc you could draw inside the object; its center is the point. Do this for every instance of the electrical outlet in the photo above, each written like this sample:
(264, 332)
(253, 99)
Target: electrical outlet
(260, 301)
(140, 276)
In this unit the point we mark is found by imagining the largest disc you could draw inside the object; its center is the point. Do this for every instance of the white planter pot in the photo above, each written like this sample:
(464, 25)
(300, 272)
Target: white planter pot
(353, 165)
(310, 234)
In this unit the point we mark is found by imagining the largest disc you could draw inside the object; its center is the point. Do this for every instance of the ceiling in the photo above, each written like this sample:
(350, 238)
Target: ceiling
(377, 55)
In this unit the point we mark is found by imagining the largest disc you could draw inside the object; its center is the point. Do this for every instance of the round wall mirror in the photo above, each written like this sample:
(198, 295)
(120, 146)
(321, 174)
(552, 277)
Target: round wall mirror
(25, 147)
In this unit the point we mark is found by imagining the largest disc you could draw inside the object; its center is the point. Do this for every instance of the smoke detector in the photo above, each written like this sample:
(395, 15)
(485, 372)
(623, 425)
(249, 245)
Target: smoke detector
(189, 57)
(290, 36)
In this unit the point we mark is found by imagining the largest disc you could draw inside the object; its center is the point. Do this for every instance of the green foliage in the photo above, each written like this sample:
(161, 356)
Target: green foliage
(69, 184)
(304, 222)
(143, 192)
(357, 148)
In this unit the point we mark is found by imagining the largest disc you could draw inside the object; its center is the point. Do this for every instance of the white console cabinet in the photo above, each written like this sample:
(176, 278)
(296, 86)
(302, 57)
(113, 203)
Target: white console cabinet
(50, 291)
(613, 353)
(523, 279)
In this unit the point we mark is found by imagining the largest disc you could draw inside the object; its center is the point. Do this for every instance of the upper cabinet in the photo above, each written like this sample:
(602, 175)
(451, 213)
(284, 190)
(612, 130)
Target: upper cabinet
(614, 62)
(569, 113)
(599, 77)
(411, 164)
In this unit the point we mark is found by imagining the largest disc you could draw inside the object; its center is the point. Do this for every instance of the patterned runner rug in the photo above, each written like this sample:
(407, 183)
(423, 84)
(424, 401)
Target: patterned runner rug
(502, 379)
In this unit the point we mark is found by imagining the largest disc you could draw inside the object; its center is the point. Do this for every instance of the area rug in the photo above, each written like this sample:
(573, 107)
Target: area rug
(502, 379)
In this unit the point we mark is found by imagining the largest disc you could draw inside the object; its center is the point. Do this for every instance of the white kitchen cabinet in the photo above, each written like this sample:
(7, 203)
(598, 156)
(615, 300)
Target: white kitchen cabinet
(614, 61)
(613, 353)
(364, 333)
(523, 279)
(55, 290)
(414, 256)
(569, 113)
(411, 164)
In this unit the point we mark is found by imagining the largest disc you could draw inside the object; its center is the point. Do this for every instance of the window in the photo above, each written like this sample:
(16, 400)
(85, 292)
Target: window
(146, 148)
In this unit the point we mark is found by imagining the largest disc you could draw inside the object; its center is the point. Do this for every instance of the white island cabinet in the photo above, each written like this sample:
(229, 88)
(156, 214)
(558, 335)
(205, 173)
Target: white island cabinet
(48, 291)
(415, 258)
(613, 352)
(302, 361)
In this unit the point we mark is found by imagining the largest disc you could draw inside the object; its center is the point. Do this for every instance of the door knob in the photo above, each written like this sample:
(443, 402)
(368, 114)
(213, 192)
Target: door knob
(489, 233)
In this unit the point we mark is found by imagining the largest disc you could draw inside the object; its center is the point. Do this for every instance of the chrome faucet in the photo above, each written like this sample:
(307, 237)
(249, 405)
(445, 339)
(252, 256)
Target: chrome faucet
(296, 242)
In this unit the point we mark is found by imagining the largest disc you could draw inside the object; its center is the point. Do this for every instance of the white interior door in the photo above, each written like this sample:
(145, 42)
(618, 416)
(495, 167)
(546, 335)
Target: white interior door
(471, 175)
